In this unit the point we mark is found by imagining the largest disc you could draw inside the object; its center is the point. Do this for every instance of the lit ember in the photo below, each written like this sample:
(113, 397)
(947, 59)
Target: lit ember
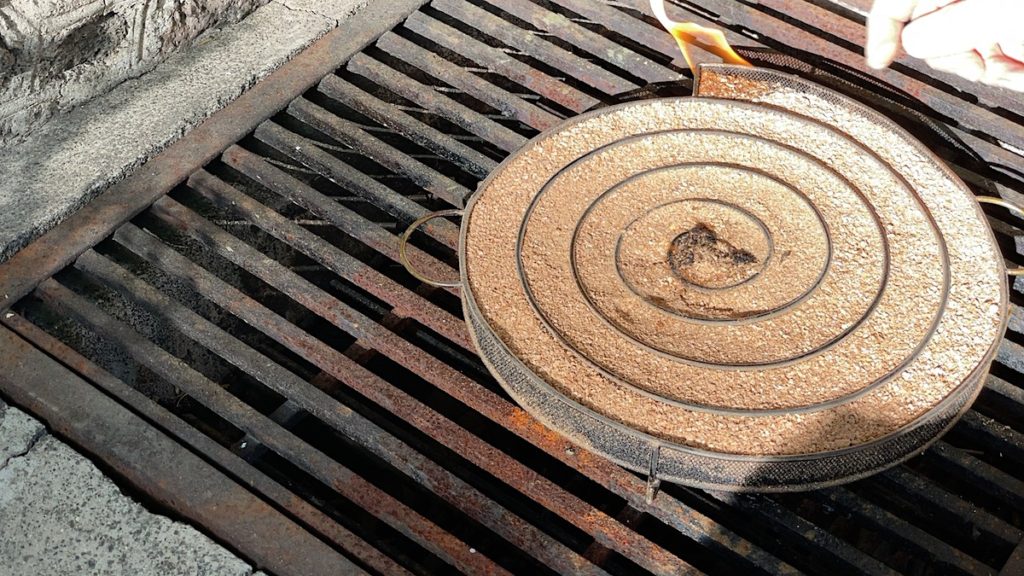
(690, 33)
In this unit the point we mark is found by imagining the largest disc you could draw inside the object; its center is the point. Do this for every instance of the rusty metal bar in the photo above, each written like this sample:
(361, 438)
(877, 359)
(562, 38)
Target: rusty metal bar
(1015, 564)
(942, 506)
(804, 537)
(406, 303)
(995, 437)
(575, 67)
(469, 120)
(353, 136)
(907, 534)
(344, 219)
(510, 105)
(613, 19)
(615, 54)
(310, 155)
(431, 475)
(394, 118)
(353, 487)
(164, 470)
(442, 430)
(230, 463)
(979, 474)
(501, 63)
(306, 151)
(437, 373)
(83, 229)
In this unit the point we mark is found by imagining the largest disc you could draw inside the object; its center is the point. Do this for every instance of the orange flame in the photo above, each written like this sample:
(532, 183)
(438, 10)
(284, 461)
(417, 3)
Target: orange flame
(689, 33)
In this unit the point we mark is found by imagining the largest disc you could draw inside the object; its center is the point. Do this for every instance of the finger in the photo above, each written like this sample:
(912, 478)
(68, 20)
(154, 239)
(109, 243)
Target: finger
(1014, 50)
(1000, 70)
(960, 27)
(928, 6)
(969, 65)
(884, 25)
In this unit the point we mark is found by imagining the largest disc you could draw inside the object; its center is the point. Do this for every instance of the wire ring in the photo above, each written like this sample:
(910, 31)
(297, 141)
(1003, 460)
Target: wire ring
(1012, 208)
(404, 242)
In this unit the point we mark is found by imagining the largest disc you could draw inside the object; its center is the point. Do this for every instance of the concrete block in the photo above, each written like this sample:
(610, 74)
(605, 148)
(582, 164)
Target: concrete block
(57, 54)
(18, 433)
(60, 515)
(67, 161)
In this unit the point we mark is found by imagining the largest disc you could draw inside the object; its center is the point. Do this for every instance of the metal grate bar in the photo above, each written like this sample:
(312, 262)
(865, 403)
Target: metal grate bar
(804, 538)
(618, 21)
(396, 453)
(301, 217)
(399, 350)
(118, 438)
(583, 70)
(302, 510)
(501, 63)
(988, 480)
(406, 303)
(999, 439)
(353, 136)
(953, 512)
(393, 117)
(270, 434)
(358, 227)
(615, 54)
(906, 534)
(306, 151)
(470, 120)
(425, 419)
(508, 104)
(231, 299)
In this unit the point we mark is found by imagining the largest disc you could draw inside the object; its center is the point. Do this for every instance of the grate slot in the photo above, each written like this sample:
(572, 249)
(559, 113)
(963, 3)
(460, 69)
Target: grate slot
(312, 518)
(621, 57)
(499, 62)
(416, 453)
(510, 105)
(1001, 443)
(404, 302)
(470, 120)
(584, 71)
(399, 455)
(270, 434)
(942, 514)
(365, 231)
(976, 480)
(908, 536)
(466, 445)
(360, 327)
(353, 136)
(979, 121)
(393, 117)
(848, 27)
(809, 546)
(306, 151)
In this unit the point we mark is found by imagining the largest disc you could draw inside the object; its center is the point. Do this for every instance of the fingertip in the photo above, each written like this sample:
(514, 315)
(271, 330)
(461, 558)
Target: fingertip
(879, 56)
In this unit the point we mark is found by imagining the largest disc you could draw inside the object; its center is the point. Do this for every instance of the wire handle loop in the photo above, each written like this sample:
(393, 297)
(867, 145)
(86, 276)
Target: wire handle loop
(403, 244)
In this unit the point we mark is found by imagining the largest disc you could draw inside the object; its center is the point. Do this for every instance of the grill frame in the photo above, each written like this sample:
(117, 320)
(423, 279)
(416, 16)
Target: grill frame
(696, 516)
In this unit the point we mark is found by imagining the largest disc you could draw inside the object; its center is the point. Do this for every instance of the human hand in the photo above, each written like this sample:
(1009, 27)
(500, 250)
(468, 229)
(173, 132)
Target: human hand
(980, 40)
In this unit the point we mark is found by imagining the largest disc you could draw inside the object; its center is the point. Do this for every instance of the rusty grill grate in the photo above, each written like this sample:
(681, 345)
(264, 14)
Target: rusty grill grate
(257, 316)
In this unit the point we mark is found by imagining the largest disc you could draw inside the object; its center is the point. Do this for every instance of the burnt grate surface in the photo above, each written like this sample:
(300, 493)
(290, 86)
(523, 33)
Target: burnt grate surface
(257, 313)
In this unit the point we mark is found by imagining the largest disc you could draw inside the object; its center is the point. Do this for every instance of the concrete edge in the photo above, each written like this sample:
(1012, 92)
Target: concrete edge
(77, 155)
